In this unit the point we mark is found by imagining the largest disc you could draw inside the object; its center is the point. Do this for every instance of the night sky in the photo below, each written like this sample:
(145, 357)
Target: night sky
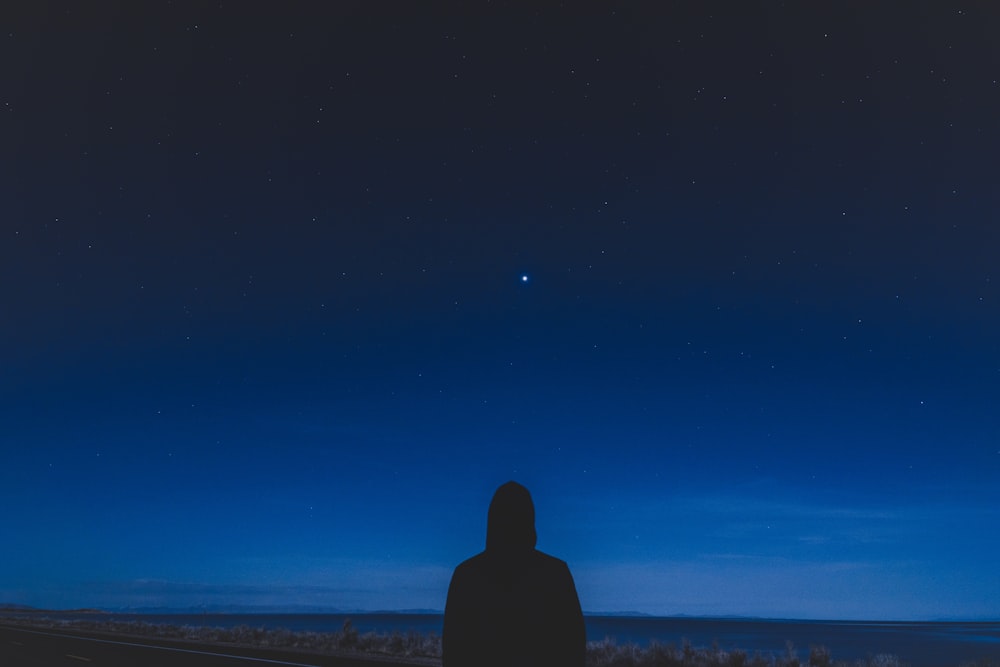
(288, 289)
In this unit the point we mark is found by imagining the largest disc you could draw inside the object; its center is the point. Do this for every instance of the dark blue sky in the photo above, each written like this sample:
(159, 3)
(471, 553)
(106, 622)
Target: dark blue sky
(266, 338)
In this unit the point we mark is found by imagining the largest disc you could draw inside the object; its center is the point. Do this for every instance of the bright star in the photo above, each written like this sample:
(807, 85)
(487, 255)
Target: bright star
(524, 277)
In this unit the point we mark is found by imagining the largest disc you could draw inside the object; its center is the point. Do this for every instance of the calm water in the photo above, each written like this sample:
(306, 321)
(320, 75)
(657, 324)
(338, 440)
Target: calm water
(919, 644)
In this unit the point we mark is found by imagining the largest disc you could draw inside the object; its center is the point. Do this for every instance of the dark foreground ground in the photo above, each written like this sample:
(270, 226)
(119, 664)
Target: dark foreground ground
(23, 647)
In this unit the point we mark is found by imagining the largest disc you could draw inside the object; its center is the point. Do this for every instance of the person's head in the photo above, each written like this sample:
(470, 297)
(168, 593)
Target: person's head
(511, 520)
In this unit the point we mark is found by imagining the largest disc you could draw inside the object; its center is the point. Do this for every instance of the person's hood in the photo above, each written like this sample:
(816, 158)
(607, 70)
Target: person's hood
(510, 525)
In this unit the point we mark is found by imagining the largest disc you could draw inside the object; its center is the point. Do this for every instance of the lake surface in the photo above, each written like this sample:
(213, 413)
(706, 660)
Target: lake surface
(921, 644)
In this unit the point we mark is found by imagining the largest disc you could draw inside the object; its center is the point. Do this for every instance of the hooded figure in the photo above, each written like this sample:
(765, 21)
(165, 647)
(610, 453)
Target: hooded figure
(512, 604)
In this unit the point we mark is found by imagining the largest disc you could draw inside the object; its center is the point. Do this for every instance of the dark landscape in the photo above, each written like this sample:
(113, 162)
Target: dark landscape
(620, 641)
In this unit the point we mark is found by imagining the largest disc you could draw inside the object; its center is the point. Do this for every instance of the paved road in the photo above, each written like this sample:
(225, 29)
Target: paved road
(23, 647)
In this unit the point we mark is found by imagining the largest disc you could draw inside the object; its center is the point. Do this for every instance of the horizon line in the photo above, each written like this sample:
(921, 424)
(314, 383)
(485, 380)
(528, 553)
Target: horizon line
(223, 609)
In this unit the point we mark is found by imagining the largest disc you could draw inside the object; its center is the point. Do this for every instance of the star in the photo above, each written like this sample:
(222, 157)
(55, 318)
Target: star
(524, 277)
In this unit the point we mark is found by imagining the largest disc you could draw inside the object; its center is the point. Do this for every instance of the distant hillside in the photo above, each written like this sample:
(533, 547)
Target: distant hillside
(264, 609)
(22, 608)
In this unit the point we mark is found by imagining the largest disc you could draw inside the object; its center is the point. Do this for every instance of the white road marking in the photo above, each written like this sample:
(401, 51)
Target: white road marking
(166, 648)
(77, 657)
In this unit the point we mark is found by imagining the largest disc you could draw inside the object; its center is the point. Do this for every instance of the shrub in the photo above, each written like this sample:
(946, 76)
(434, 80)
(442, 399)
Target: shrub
(348, 636)
(819, 656)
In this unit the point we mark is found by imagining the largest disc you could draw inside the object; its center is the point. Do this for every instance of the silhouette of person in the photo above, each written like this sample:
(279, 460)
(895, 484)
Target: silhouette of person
(512, 604)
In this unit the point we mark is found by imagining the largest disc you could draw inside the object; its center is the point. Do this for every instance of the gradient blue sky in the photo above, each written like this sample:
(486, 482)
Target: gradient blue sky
(265, 338)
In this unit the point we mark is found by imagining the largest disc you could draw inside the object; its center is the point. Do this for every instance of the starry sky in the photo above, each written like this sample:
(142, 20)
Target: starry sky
(286, 292)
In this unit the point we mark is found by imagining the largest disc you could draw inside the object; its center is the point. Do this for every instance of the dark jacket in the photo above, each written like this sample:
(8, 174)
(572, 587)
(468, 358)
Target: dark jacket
(512, 604)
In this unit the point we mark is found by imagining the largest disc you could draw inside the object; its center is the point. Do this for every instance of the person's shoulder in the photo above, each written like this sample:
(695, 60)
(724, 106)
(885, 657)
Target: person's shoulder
(472, 564)
(550, 562)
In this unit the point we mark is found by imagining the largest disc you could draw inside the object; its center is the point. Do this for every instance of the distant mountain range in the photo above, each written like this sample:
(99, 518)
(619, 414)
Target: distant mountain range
(220, 609)
(265, 609)
(23, 608)
(268, 609)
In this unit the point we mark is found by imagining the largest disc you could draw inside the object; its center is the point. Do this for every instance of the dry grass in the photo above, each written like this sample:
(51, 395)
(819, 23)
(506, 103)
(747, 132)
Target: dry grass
(426, 649)
(607, 653)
